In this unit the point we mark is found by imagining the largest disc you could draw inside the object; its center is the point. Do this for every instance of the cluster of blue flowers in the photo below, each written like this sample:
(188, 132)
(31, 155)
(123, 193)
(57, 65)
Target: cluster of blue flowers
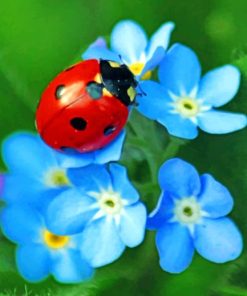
(72, 213)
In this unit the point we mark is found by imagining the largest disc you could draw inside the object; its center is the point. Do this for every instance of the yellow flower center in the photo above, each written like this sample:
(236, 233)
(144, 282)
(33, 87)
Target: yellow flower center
(57, 178)
(188, 107)
(136, 69)
(55, 241)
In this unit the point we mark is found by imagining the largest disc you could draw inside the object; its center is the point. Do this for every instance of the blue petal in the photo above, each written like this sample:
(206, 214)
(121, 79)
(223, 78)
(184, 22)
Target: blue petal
(33, 262)
(180, 70)
(19, 188)
(75, 159)
(218, 240)
(129, 40)
(179, 178)
(132, 225)
(163, 212)
(100, 41)
(101, 243)
(214, 198)
(155, 100)
(219, 122)
(26, 154)
(154, 60)
(24, 190)
(175, 247)
(22, 224)
(160, 38)
(111, 152)
(69, 212)
(2, 180)
(99, 50)
(219, 86)
(69, 266)
(178, 126)
(90, 178)
(42, 202)
(121, 183)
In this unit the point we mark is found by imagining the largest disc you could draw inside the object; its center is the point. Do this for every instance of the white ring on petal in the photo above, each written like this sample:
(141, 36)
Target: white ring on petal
(188, 212)
(188, 106)
(110, 204)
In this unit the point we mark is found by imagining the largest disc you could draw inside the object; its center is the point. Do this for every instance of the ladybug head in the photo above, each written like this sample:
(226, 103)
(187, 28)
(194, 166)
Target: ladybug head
(119, 81)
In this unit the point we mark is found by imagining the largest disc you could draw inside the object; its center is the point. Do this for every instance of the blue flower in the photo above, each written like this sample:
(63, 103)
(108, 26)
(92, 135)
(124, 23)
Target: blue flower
(37, 173)
(105, 206)
(190, 216)
(40, 252)
(130, 45)
(184, 101)
(1, 184)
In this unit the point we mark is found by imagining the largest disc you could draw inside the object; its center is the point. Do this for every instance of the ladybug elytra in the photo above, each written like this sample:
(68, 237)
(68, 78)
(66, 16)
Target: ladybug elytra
(86, 106)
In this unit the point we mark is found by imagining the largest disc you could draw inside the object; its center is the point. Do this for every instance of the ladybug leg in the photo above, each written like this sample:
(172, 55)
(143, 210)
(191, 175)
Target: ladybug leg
(135, 104)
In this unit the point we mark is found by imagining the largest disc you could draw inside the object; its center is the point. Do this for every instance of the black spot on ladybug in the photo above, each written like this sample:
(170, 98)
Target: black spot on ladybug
(70, 68)
(59, 91)
(94, 89)
(78, 123)
(109, 130)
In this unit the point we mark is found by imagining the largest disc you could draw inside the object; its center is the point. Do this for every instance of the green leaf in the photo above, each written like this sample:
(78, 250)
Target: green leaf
(7, 256)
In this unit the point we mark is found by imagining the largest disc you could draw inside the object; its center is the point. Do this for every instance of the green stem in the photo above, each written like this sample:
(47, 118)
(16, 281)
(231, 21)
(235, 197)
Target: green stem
(172, 148)
(152, 167)
(155, 157)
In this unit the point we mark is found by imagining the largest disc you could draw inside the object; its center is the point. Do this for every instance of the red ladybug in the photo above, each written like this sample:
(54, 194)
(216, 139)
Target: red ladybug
(86, 106)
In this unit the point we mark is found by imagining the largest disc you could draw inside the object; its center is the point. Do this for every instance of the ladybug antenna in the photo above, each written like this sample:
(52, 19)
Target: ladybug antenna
(120, 58)
(135, 103)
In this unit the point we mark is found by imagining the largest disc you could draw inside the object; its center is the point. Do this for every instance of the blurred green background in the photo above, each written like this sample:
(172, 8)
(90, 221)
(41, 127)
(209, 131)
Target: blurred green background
(38, 38)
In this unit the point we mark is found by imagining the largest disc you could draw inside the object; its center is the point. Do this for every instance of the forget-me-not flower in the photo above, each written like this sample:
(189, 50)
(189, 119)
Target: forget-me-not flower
(40, 252)
(190, 216)
(37, 173)
(130, 45)
(184, 101)
(1, 184)
(105, 207)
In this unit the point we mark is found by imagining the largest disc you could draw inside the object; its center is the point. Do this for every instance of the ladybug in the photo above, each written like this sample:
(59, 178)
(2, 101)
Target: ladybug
(86, 106)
